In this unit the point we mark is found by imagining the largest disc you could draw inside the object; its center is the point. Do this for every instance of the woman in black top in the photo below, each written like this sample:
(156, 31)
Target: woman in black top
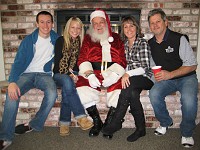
(65, 75)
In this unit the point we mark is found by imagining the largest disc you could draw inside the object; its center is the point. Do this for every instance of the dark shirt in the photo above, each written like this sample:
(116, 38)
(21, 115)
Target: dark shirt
(166, 53)
(59, 56)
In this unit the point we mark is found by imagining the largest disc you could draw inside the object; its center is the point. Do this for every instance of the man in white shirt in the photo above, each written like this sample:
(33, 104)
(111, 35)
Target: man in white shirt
(32, 68)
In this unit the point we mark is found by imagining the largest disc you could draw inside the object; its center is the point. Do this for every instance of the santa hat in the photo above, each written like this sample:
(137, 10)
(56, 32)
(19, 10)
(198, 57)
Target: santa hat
(102, 13)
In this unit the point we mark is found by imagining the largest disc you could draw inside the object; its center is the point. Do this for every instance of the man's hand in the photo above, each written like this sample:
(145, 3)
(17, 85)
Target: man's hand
(93, 81)
(125, 81)
(111, 79)
(162, 75)
(13, 91)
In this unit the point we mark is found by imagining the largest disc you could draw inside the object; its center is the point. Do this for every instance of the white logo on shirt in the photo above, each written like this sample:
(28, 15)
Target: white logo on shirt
(169, 50)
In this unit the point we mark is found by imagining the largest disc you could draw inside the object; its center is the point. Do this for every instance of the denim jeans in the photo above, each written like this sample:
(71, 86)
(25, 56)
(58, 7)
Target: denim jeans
(26, 82)
(70, 99)
(188, 87)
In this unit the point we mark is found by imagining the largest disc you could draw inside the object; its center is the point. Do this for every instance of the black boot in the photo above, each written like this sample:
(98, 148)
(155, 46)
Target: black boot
(138, 114)
(117, 118)
(98, 124)
(136, 135)
(108, 121)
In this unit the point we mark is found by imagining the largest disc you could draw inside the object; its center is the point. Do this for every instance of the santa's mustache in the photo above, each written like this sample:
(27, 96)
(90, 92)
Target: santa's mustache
(95, 36)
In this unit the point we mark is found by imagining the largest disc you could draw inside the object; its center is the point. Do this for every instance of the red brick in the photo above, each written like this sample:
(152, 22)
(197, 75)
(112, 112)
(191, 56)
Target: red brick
(174, 18)
(10, 49)
(24, 13)
(186, 5)
(18, 31)
(28, 110)
(8, 1)
(195, 5)
(16, 7)
(10, 13)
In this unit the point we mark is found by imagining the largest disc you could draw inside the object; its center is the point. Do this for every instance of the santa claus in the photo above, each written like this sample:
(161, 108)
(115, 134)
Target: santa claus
(101, 65)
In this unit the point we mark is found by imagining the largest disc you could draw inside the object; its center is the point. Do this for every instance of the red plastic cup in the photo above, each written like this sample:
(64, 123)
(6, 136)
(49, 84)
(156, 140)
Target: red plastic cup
(156, 69)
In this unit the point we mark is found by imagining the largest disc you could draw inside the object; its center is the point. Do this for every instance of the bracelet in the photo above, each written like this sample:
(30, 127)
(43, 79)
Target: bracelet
(87, 75)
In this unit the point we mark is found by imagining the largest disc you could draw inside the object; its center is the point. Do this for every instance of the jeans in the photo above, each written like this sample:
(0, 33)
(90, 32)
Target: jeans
(188, 87)
(26, 82)
(70, 99)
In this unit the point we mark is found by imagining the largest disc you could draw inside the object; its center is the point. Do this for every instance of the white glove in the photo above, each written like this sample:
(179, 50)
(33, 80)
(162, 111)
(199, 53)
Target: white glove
(93, 81)
(111, 79)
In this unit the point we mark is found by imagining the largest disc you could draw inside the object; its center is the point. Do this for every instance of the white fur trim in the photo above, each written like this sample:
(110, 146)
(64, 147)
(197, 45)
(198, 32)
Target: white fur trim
(110, 39)
(112, 98)
(85, 66)
(118, 69)
(106, 56)
(88, 96)
(97, 13)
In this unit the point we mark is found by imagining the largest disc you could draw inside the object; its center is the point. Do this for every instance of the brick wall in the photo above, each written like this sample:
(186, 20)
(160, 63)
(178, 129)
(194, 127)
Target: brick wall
(18, 20)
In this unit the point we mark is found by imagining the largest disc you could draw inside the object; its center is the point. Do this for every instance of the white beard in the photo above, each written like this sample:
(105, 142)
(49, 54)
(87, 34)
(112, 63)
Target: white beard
(96, 37)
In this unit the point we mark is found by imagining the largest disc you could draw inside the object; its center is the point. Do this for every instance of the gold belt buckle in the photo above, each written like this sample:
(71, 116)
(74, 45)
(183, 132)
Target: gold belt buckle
(104, 65)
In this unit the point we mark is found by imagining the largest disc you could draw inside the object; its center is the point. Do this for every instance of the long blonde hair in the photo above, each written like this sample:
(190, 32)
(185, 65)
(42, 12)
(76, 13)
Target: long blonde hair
(71, 47)
(66, 35)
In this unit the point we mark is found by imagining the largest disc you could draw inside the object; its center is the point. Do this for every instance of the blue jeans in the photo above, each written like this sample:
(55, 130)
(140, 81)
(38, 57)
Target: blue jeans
(188, 87)
(26, 82)
(70, 99)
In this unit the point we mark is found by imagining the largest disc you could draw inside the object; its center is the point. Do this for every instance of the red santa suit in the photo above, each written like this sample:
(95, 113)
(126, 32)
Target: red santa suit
(91, 56)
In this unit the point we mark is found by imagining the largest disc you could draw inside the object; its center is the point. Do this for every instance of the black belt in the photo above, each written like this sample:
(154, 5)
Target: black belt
(101, 65)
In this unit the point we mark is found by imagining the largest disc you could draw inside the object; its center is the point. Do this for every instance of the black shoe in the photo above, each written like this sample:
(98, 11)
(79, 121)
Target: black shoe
(4, 144)
(22, 128)
(94, 132)
(106, 136)
(136, 135)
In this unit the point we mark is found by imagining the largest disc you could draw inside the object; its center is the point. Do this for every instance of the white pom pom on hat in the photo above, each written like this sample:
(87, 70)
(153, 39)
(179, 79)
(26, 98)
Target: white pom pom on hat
(102, 13)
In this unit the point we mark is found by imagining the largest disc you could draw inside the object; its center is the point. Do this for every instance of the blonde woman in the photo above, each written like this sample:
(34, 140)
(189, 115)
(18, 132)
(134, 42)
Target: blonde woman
(65, 75)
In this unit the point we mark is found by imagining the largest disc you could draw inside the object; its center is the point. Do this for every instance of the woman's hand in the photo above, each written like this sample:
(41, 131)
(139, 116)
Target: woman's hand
(74, 77)
(125, 81)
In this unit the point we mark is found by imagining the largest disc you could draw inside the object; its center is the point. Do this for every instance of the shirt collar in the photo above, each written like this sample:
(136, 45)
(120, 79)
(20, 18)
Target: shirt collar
(165, 36)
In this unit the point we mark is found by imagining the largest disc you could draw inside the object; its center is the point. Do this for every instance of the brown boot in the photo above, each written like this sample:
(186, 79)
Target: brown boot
(85, 123)
(64, 130)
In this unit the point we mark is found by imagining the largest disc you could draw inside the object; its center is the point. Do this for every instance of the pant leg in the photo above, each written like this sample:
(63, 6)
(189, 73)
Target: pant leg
(112, 98)
(115, 123)
(136, 109)
(44, 82)
(157, 96)
(188, 87)
(88, 96)
(25, 83)
(65, 111)
(140, 82)
(70, 99)
(137, 84)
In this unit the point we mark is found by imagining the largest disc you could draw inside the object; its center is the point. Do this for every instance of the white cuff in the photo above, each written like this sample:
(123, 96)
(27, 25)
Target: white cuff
(118, 69)
(85, 66)
(136, 72)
